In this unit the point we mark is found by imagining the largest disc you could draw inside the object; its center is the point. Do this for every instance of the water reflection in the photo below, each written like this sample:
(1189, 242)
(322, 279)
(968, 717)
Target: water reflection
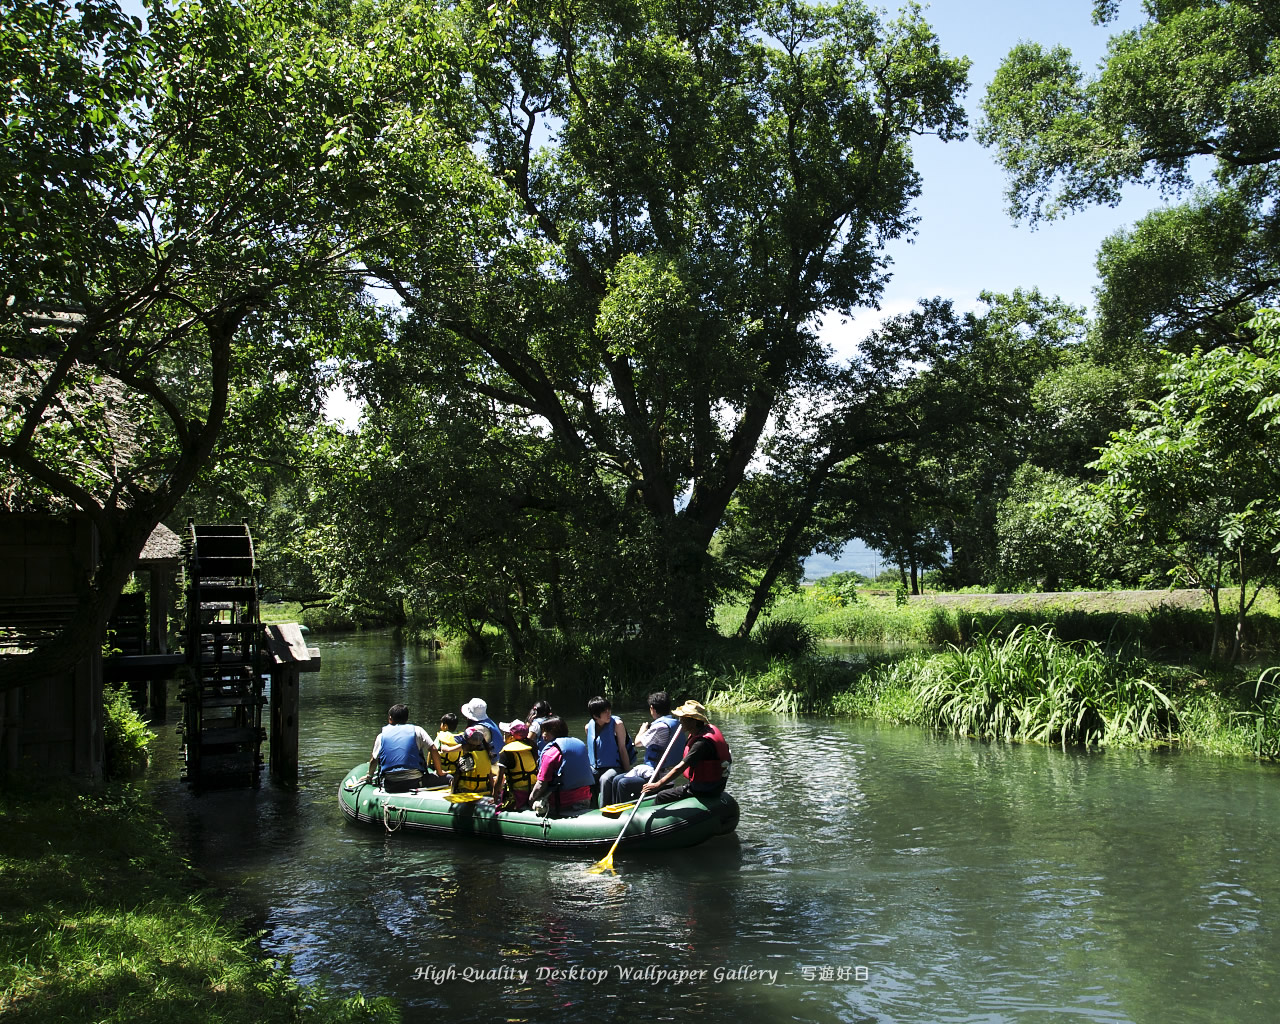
(884, 874)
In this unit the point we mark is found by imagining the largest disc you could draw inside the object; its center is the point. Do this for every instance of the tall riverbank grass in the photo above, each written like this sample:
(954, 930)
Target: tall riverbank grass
(102, 921)
(1029, 686)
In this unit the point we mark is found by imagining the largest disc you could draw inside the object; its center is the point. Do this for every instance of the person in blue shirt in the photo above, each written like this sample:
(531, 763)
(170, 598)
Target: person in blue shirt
(607, 747)
(400, 753)
(655, 740)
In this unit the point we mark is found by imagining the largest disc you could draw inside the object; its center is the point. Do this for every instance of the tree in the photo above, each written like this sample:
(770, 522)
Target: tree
(1048, 535)
(1198, 473)
(1197, 79)
(180, 204)
(812, 492)
(666, 198)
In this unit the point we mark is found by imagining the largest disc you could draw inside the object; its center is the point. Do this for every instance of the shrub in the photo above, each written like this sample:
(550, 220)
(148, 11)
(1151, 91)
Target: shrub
(127, 736)
(786, 638)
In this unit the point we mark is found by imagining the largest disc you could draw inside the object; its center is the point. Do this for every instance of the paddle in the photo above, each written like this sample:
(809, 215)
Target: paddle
(606, 863)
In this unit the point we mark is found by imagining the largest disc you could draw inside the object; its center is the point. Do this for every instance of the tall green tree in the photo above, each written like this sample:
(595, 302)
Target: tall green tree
(676, 193)
(1198, 79)
(1198, 474)
(180, 204)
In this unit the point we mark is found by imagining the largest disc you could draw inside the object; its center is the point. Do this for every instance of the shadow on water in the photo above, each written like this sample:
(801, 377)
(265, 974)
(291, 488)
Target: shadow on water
(878, 874)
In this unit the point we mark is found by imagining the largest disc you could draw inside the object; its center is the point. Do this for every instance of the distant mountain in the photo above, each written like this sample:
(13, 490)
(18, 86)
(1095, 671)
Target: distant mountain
(854, 557)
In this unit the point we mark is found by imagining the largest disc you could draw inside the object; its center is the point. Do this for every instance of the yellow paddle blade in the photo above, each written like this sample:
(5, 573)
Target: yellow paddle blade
(463, 798)
(616, 810)
(601, 866)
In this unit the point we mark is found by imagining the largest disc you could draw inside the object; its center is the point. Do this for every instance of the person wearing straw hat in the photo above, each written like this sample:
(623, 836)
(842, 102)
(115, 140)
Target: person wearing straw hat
(705, 764)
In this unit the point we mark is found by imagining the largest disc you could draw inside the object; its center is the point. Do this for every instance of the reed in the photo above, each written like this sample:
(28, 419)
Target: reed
(782, 686)
(1030, 686)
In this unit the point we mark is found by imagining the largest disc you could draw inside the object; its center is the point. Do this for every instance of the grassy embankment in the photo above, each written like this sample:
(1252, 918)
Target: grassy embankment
(1069, 669)
(101, 920)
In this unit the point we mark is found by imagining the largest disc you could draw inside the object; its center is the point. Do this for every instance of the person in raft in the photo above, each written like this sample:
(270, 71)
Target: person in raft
(517, 767)
(480, 742)
(399, 759)
(564, 773)
(538, 714)
(607, 747)
(705, 763)
(447, 742)
(654, 739)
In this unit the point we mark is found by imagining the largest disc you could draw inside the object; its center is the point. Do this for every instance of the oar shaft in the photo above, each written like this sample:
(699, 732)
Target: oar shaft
(639, 800)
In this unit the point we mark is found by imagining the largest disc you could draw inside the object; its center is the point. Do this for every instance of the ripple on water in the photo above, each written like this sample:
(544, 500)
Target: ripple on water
(970, 882)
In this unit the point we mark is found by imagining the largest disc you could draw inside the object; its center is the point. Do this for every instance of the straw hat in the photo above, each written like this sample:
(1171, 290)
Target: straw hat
(692, 709)
(476, 709)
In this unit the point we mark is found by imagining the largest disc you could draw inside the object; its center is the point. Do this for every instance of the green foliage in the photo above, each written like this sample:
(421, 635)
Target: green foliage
(1196, 476)
(781, 686)
(597, 333)
(1152, 621)
(182, 203)
(126, 735)
(1049, 535)
(1263, 720)
(786, 638)
(104, 925)
(1189, 274)
(1030, 686)
(1196, 79)
(840, 588)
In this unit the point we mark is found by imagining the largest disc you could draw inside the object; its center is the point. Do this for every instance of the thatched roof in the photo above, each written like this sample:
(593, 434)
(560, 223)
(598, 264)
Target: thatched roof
(163, 548)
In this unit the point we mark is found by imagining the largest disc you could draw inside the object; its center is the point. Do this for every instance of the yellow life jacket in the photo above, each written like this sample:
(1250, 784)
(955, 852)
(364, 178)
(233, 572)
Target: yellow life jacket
(520, 779)
(448, 760)
(479, 779)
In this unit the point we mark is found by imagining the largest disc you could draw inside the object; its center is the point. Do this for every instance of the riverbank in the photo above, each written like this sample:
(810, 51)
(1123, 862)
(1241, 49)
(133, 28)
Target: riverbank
(1026, 686)
(103, 920)
(1157, 623)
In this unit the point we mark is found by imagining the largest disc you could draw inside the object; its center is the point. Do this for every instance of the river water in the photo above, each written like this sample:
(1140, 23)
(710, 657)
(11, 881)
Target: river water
(878, 874)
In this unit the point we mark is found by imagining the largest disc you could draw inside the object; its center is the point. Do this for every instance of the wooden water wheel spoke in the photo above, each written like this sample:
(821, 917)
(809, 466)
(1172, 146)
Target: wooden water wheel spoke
(222, 725)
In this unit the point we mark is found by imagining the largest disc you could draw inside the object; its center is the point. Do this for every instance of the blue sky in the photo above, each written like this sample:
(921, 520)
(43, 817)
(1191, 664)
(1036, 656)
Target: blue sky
(966, 242)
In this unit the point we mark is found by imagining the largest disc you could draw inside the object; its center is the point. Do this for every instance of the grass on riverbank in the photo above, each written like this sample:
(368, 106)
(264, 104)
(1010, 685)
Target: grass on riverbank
(1029, 686)
(102, 922)
(1155, 621)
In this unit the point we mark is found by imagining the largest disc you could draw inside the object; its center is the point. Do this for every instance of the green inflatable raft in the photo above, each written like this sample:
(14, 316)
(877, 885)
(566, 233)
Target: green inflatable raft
(665, 827)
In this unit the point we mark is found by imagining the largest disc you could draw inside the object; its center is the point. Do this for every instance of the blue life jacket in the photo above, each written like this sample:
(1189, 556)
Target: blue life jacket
(495, 737)
(653, 751)
(575, 769)
(603, 748)
(399, 750)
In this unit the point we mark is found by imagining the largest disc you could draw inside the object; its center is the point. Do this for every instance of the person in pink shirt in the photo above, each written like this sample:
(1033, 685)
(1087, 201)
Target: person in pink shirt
(564, 773)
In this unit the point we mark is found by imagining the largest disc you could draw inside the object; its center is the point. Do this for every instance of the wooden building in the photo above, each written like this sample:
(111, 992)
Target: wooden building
(51, 726)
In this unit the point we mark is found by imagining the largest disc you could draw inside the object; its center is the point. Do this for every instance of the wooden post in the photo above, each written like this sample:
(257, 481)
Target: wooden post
(289, 656)
(284, 723)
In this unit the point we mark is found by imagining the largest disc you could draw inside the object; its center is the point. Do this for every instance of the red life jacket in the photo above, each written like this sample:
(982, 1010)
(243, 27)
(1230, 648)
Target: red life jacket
(709, 770)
